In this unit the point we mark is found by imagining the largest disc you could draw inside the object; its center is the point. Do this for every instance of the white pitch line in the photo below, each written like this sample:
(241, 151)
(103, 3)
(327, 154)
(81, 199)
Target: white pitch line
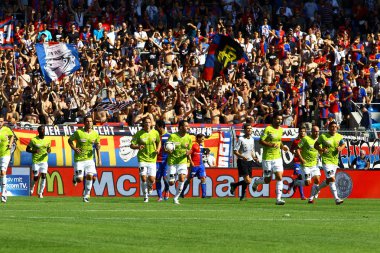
(161, 210)
(179, 218)
(119, 210)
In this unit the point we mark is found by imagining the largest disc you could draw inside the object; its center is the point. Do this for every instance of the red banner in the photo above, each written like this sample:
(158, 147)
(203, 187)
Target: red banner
(125, 182)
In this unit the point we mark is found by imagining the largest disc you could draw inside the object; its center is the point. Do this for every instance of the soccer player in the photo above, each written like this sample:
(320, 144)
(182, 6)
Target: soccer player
(6, 142)
(85, 139)
(296, 160)
(162, 162)
(329, 145)
(308, 156)
(245, 153)
(177, 160)
(197, 166)
(272, 161)
(148, 142)
(39, 146)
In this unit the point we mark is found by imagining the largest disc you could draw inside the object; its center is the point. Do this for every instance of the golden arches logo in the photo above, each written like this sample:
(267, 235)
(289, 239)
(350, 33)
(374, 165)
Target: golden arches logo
(50, 180)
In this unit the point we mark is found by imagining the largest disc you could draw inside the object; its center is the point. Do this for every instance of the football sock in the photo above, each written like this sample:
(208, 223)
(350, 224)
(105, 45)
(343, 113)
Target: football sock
(166, 183)
(333, 190)
(322, 185)
(279, 186)
(313, 191)
(4, 185)
(42, 185)
(88, 187)
(1, 183)
(203, 186)
(144, 189)
(242, 182)
(158, 188)
(32, 182)
(243, 190)
(187, 182)
(301, 189)
(179, 189)
(299, 182)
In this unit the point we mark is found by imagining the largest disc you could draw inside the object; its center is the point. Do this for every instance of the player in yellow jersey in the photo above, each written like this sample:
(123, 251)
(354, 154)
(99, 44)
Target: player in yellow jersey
(272, 160)
(39, 146)
(329, 146)
(6, 142)
(148, 142)
(308, 156)
(84, 165)
(178, 158)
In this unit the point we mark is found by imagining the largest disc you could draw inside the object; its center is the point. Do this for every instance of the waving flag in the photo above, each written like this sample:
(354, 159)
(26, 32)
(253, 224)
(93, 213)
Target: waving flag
(6, 34)
(223, 51)
(57, 60)
(109, 106)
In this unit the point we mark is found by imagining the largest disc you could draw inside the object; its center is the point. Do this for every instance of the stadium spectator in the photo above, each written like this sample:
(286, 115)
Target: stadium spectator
(361, 162)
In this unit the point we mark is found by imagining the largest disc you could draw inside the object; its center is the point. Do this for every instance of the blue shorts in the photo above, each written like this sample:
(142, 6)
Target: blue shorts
(297, 169)
(161, 169)
(198, 171)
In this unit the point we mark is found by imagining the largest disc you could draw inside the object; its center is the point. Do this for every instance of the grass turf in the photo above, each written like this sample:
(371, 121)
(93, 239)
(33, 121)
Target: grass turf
(197, 225)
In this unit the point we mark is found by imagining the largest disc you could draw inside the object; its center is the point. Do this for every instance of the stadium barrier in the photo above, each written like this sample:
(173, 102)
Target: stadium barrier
(125, 182)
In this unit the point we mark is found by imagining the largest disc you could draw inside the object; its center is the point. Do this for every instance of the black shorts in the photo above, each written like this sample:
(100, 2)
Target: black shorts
(244, 168)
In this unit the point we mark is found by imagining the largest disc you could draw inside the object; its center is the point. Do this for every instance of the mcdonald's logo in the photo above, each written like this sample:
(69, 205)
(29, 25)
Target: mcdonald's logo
(51, 179)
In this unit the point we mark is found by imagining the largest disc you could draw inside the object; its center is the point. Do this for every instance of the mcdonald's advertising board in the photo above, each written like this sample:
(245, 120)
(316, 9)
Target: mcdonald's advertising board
(119, 182)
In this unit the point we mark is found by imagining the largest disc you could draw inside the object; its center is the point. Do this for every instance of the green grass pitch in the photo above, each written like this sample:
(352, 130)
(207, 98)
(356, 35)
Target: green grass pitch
(197, 225)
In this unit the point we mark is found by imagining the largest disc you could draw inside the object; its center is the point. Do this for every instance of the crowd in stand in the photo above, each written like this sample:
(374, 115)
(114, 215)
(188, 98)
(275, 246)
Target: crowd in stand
(308, 60)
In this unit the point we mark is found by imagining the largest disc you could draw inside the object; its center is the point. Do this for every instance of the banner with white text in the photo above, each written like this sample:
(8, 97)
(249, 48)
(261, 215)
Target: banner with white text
(125, 182)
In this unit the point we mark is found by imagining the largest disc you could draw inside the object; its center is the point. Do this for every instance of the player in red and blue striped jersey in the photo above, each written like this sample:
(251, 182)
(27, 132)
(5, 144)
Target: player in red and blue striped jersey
(162, 163)
(197, 166)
